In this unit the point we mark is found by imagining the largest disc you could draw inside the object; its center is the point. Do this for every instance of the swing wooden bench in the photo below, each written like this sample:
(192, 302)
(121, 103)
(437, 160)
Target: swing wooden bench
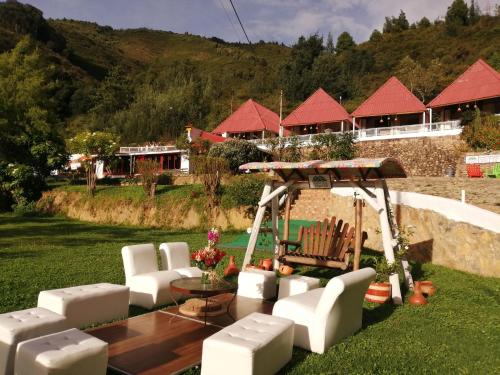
(323, 244)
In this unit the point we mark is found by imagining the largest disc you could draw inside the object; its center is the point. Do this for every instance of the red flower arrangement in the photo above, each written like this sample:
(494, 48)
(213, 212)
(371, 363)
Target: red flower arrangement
(209, 256)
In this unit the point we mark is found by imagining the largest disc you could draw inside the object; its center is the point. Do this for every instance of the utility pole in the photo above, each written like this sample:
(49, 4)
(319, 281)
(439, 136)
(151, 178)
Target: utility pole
(281, 132)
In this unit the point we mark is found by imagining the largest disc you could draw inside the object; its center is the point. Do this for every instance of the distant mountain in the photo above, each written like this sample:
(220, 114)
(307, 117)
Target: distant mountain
(85, 52)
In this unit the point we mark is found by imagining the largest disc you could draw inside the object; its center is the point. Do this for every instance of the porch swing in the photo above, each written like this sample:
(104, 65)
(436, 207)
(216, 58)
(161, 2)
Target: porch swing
(329, 243)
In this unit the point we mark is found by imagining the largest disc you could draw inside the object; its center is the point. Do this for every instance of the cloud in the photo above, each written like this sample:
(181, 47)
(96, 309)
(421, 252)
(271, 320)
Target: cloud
(276, 20)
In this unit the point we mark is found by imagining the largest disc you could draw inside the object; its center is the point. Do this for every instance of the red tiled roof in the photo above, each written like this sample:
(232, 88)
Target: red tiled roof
(250, 117)
(390, 99)
(213, 138)
(319, 108)
(479, 81)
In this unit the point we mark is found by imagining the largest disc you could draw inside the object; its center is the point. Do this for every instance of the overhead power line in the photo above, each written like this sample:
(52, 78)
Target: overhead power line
(229, 19)
(241, 24)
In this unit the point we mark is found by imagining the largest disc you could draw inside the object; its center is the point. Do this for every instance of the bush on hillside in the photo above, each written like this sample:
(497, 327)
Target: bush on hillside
(243, 190)
(483, 133)
(333, 147)
(236, 152)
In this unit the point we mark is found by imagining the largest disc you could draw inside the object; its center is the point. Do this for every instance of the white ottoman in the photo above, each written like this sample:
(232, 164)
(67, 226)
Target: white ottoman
(295, 284)
(24, 325)
(257, 344)
(87, 304)
(257, 284)
(70, 352)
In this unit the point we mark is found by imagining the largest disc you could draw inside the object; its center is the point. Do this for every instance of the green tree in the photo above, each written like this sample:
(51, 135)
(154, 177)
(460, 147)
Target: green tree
(456, 16)
(396, 25)
(424, 23)
(375, 36)
(474, 12)
(30, 143)
(345, 42)
(95, 147)
(333, 147)
(294, 73)
(329, 48)
(236, 152)
(421, 81)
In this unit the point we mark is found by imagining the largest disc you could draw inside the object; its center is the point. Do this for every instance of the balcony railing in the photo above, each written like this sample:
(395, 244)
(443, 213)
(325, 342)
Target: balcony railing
(146, 149)
(393, 132)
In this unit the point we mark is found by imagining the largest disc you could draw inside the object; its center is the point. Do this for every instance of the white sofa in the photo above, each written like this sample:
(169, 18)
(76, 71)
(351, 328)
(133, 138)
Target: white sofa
(87, 304)
(175, 257)
(70, 352)
(325, 316)
(23, 325)
(258, 344)
(149, 287)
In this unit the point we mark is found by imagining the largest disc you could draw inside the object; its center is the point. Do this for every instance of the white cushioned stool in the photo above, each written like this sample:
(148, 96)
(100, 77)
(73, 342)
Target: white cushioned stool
(257, 344)
(257, 284)
(23, 325)
(87, 304)
(295, 284)
(70, 352)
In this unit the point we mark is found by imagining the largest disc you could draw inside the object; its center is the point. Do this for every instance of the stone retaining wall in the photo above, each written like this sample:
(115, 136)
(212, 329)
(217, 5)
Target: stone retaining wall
(425, 156)
(439, 240)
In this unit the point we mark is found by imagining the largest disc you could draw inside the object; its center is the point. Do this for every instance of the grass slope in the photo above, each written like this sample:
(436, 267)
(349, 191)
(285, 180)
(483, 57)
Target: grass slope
(458, 332)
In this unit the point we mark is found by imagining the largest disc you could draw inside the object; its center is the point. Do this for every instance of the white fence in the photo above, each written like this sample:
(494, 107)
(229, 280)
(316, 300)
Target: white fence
(394, 132)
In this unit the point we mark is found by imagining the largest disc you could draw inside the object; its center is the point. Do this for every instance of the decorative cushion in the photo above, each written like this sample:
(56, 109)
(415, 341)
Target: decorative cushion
(257, 344)
(296, 284)
(23, 325)
(257, 284)
(87, 304)
(70, 352)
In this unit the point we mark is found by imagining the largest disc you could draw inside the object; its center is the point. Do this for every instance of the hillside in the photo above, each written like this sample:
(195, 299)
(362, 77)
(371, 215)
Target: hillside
(212, 76)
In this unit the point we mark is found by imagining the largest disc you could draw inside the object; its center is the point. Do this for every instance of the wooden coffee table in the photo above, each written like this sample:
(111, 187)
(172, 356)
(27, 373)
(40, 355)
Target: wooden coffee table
(194, 287)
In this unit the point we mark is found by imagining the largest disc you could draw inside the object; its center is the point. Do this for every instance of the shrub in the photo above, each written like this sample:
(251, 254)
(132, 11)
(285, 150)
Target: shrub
(148, 171)
(282, 150)
(165, 178)
(236, 152)
(483, 133)
(210, 170)
(333, 147)
(243, 190)
(25, 208)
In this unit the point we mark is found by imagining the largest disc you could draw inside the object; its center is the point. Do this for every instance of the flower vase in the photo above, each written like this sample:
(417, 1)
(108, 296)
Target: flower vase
(204, 277)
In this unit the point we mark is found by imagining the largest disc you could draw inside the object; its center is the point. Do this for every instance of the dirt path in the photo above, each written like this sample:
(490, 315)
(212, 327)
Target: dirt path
(481, 192)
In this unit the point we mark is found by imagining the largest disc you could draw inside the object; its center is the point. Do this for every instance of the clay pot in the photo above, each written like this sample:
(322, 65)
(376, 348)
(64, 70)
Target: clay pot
(417, 297)
(267, 264)
(231, 269)
(427, 288)
(286, 270)
(378, 292)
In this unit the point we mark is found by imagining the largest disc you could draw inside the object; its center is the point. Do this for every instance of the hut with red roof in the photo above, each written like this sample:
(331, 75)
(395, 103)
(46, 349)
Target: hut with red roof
(391, 105)
(318, 114)
(250, 121)
(477, 87)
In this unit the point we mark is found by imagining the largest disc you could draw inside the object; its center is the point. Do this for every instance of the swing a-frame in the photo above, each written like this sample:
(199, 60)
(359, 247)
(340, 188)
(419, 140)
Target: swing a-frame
(366, 178)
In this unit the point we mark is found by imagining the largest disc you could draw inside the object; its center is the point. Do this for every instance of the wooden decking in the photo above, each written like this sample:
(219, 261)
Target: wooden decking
(161, 342)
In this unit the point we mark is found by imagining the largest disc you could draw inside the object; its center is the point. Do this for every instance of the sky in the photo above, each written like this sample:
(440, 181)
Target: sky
(268, 20)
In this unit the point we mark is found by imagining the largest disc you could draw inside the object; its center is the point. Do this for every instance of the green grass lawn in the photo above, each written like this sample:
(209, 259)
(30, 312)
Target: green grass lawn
(457, 333)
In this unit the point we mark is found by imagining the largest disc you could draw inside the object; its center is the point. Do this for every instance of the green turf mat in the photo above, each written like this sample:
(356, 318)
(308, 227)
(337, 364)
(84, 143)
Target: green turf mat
(264, 241)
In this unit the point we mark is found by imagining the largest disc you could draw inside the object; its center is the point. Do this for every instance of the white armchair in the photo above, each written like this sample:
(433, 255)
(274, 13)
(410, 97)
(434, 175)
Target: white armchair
(325, 316)
(175, 257)
(149, 287)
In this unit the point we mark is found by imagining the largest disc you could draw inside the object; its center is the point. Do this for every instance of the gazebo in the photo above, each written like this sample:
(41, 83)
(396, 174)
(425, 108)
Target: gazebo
(366, 178)
(391, 105)
(477, 87)
(318, 114)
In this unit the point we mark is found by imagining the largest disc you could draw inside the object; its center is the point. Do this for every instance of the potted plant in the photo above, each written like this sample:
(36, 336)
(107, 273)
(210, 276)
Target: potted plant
(380, 290)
